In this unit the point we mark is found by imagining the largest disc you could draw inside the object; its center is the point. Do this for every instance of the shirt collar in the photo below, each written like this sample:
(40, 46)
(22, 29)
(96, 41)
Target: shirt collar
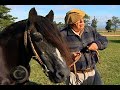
(70, 31)
(75, 32)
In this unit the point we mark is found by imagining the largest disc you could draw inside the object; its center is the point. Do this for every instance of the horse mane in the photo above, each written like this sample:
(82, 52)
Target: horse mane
(10, 30)
(48, 29)
(53, 36)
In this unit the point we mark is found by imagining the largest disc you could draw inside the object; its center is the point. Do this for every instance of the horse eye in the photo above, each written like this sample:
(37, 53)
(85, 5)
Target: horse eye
(36, 36)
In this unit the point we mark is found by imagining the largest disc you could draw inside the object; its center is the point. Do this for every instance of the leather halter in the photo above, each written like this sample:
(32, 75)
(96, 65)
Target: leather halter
(28, 37)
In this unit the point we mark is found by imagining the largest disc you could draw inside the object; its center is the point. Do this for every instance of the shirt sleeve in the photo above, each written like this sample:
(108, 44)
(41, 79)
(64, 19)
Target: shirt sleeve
(100, 40)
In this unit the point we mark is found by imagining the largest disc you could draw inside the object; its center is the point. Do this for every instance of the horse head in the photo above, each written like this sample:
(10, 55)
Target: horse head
(49, 47)
(36, 37)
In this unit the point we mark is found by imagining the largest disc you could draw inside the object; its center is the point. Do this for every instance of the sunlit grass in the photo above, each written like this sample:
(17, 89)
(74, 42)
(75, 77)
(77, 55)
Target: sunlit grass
(104, 32)
(110, 62)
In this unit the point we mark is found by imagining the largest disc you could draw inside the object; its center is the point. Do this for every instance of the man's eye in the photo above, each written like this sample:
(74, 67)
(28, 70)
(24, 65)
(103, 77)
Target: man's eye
(81, 21)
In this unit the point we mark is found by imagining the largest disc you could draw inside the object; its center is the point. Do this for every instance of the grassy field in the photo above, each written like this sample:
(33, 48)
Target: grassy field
(109, 67)
(104, 32)
(110, 61)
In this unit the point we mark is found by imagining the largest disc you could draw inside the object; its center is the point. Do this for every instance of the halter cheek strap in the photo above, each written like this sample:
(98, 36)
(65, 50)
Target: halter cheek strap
(27, 36)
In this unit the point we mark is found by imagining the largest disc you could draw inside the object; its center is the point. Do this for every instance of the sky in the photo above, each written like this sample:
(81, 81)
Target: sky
(101, 12)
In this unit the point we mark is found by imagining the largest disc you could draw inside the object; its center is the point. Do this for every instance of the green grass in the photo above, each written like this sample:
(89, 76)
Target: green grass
(38, 76)
(110, 62)
(109, 33)
(109, 67)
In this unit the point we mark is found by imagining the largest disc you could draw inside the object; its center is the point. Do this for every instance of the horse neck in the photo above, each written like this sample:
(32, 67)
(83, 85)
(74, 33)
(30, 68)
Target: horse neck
(3, 68)
(13, 50)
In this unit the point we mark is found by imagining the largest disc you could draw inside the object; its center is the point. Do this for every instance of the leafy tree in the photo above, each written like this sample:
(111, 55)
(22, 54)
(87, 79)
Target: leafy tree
(60, 25)
(115, 22)
(5, 18)
(108, 25)
(94, 23)
(87, 19)
(54, 22)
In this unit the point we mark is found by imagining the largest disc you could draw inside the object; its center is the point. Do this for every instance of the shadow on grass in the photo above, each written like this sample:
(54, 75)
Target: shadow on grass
(32, 83)
(115, 41)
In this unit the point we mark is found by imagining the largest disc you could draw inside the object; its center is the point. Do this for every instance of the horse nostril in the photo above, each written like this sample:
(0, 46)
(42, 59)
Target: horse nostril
(61, 74)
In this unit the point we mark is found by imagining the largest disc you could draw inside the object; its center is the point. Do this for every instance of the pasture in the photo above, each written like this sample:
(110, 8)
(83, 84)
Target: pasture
(109, 67)
(110, 61)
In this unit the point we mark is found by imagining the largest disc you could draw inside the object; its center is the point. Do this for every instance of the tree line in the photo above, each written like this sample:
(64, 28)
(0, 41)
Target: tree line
(111, 24)
(7, 19)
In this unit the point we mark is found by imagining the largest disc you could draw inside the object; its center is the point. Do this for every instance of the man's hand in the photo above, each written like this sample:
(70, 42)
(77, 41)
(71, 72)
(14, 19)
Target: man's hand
(76, 55)
(93, 47)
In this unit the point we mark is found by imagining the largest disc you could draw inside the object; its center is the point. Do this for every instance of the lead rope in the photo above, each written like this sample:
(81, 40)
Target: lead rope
(75, 70)
(98, 56)
(73, 64)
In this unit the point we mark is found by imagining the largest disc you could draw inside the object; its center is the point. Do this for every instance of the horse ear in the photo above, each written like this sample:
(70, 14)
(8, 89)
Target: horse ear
(50, 15)
(32, 15)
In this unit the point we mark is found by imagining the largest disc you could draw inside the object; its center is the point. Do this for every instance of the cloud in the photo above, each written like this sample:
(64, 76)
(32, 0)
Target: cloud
(12, 6)
(114, 6)
(101, 12)
(63, 7)
(59, 19)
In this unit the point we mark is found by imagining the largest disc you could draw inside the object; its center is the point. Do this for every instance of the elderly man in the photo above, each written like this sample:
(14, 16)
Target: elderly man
(83, 42)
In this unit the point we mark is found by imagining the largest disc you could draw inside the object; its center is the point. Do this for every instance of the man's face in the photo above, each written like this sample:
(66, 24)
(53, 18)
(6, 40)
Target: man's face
(80, 24)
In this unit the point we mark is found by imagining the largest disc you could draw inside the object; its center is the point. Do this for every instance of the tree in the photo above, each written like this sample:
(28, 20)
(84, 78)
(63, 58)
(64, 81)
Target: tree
(60, 25)
(115, 22)
(94, 23)
(55, 22)
(5, 18)
(108, 25)
(87, 19)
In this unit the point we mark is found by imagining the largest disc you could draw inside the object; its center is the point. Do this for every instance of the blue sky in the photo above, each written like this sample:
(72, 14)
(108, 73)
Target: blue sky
(101, 12)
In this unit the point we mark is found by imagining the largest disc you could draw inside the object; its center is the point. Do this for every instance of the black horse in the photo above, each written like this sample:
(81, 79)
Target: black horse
(36, 37)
